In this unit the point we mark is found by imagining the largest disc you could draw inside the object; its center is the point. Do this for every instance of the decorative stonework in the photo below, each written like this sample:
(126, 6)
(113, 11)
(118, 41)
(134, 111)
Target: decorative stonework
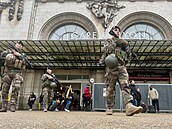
(104, 10)
(147, 17)
(12, 5)
(65, 18)
(12, 10)
(19, 11)
(3, 5)
(43, 1)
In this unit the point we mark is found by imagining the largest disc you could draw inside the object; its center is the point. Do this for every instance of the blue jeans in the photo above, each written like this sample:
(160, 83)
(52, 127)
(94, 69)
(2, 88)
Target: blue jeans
(135, 103)
(68, 102)
(54, 103)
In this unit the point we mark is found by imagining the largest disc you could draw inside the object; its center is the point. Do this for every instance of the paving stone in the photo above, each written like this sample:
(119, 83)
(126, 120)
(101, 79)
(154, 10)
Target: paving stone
(83, 120)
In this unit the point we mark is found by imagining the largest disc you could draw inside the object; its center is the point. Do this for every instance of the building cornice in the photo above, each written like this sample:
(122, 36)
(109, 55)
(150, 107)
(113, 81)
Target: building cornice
(79, 1)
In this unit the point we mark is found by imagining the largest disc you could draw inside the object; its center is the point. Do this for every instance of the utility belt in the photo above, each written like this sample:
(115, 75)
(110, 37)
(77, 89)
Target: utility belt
(16, 64)
(11, 69)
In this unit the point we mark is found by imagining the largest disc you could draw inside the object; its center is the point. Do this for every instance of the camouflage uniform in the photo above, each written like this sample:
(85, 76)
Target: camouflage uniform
(119, 74)
(12, 76)
(47, 89)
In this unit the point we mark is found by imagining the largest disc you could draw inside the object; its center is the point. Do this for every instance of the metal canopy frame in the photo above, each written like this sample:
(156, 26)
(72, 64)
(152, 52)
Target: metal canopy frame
(85, 54)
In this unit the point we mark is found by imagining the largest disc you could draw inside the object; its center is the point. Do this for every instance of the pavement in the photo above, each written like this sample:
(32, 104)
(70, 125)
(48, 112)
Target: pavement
(83, 120)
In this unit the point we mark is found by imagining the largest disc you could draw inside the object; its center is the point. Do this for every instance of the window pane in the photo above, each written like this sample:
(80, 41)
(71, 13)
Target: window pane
(85, 76)
(61, 77)
(142, 31)
(71, 77)
(69, 32)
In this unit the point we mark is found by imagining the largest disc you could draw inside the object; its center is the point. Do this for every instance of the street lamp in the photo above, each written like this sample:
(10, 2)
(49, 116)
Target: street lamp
(91, 81)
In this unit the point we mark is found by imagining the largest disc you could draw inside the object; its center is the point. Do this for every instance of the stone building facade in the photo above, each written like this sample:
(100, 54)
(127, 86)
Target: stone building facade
(39, 19)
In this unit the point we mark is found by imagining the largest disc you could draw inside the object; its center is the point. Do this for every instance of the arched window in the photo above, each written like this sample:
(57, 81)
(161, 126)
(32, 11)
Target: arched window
(69, 32)
(142, 31)
(68, 25)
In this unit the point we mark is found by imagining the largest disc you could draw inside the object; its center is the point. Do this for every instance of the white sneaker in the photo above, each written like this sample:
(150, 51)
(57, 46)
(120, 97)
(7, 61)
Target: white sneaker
(30, 109)
(56, 110)
(67, 110)
(45, 110)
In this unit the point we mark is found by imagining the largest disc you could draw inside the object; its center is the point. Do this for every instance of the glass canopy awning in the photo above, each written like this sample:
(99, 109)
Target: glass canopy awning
(85, 54)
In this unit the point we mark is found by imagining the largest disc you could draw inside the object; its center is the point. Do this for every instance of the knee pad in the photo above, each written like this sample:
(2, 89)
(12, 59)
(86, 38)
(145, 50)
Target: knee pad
(19, 77)
(12, 102)
(17, 83)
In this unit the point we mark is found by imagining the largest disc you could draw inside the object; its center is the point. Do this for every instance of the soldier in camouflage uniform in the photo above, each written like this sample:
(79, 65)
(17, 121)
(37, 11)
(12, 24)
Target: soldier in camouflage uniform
(115, 55)
(49, 83)
(12, 76)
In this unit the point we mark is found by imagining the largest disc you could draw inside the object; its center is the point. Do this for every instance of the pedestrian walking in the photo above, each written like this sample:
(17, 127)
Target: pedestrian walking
(87, 98)
(68, 97)
(135, 92)
(153, 95)
(138, 97)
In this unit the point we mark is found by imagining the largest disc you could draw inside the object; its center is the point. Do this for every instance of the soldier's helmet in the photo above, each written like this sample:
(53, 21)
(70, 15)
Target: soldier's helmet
(10, 57)
(111, 32)
(111, 61)
(53, 85)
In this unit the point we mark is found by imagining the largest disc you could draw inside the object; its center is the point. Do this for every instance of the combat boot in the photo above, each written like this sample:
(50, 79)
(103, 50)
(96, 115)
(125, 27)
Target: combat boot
(45, 107)
(4, 109)
(131, 109)
(12, 108)
(109, 111)
(45, 110)
(4, 106)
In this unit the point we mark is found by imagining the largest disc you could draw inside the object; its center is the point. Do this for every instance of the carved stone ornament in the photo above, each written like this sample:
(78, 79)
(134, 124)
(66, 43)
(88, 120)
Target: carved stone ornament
(19, 11)
(3, 5)
(12, 10)
(105, 10)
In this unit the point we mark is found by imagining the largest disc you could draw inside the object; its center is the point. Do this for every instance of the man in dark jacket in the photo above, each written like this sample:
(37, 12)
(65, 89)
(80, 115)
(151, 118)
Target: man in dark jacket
(31, 100)
(56, 102)
(133, 91)
(138, 97)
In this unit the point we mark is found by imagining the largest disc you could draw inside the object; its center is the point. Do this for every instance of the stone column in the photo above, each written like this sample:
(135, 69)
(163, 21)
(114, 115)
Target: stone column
(25, 89)
(37, 86)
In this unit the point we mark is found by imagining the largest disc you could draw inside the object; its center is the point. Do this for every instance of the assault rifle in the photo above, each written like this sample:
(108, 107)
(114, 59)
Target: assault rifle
(133, 54)
(53, 78)
(22, 55)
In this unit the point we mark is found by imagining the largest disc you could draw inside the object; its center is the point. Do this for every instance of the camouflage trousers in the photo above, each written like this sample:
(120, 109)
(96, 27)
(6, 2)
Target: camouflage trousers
(11, 81)
(112, 76)
(48, 95)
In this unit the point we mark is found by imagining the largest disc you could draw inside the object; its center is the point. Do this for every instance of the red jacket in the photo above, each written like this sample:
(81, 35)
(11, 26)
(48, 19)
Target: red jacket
(87, 92)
